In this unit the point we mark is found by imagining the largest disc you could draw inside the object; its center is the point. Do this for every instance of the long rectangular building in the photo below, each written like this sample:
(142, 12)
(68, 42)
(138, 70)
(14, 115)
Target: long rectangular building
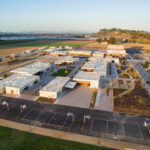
(80, 52)
(54, 87)
(66, 60)
(33, 69)
(116, 50)
(17, 83)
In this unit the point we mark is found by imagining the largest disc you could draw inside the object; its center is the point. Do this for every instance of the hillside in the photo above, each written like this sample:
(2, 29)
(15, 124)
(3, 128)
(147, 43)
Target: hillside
(132, 36)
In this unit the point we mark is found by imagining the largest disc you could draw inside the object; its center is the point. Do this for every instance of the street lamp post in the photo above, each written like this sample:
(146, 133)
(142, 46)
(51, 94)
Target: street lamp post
(4, 103)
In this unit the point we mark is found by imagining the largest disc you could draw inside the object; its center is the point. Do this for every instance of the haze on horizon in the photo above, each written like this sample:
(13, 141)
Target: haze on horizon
(73, 15)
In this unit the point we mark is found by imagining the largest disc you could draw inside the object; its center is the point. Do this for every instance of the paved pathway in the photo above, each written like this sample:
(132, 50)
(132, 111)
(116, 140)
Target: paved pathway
(105, 102)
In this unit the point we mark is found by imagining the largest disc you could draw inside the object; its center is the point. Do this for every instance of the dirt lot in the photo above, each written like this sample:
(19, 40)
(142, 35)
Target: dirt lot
(135, 101)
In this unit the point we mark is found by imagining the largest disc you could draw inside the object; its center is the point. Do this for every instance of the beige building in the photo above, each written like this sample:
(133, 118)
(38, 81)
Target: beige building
(116, 50)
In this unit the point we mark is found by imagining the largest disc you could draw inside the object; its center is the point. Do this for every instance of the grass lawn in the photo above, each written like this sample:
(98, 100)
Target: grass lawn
(11, 139)
(30, 43)
(62, 72)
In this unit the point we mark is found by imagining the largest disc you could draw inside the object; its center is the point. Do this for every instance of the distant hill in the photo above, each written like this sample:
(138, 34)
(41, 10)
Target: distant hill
(132, 36)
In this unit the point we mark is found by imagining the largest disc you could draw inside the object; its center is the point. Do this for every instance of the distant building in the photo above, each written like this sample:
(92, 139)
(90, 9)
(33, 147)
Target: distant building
(33, 69)
(59, 53)
(80, 52)
(67, 60)
(116, 50)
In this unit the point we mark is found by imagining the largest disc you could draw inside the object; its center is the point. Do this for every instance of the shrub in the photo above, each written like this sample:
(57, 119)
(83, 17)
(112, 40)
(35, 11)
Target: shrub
(66, 71)
(4, 75)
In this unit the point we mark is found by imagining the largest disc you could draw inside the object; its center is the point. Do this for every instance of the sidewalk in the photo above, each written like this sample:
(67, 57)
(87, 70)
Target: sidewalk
(105, 102)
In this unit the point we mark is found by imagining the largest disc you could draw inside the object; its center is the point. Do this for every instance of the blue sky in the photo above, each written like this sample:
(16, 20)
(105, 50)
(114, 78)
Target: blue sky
(73, 15)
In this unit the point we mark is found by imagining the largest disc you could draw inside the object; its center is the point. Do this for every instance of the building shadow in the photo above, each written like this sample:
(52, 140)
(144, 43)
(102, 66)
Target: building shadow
(134, 50)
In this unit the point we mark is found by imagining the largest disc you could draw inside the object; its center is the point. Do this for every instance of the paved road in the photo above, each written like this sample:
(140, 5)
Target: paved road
(109, 125)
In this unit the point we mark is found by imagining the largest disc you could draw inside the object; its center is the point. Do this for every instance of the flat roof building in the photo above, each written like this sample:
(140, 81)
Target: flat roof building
(54, 87)
(33, 69)
(59, 53)
(96, 65)
(66, 60)
(116, 50)
(80, 52)
(98, 54)
(88, 78)
(17, 83)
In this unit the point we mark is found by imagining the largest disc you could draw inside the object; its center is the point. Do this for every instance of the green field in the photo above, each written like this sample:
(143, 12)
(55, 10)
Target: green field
(62, 72)
(27, 43)
(11, 139)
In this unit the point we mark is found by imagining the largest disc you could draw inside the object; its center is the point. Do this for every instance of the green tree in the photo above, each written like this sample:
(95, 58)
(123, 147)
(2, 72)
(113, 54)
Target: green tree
(99, 40)
(66, 72)
(112, 40)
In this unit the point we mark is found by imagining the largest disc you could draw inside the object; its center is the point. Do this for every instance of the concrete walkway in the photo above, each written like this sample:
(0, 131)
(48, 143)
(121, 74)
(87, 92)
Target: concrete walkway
(78, 97)
(105, 102)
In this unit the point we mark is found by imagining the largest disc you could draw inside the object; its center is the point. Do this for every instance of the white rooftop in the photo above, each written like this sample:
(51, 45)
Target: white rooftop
(97, 65)
(87, 76)
(60, 52)
(56, 84)
(80, 52)
(18, 80)
(69, 59)
(33, 68)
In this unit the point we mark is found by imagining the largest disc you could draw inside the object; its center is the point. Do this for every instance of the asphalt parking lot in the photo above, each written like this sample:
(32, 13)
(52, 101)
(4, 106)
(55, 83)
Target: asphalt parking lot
(72, 119)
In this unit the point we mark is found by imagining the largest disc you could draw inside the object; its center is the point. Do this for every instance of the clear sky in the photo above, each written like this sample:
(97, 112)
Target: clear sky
(73, 15)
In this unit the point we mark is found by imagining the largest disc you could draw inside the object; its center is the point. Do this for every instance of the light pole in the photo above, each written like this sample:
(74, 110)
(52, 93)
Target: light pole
(86, 117)
(22, 107)
(4, 103)
(72, 115)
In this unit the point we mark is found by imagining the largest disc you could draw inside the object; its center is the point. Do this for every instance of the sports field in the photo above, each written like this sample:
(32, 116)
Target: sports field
(11, 139)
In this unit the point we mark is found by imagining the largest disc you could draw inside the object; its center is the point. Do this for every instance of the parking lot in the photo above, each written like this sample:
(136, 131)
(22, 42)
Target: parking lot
(78, 97)
(78, 120)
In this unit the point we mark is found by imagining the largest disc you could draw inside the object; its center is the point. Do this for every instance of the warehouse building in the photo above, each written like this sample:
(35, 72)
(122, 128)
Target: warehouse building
(116, 50)
(54, 87)
(67, 60)
(36, 68)
(80, 52)
(87, 79)
(17, 83)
